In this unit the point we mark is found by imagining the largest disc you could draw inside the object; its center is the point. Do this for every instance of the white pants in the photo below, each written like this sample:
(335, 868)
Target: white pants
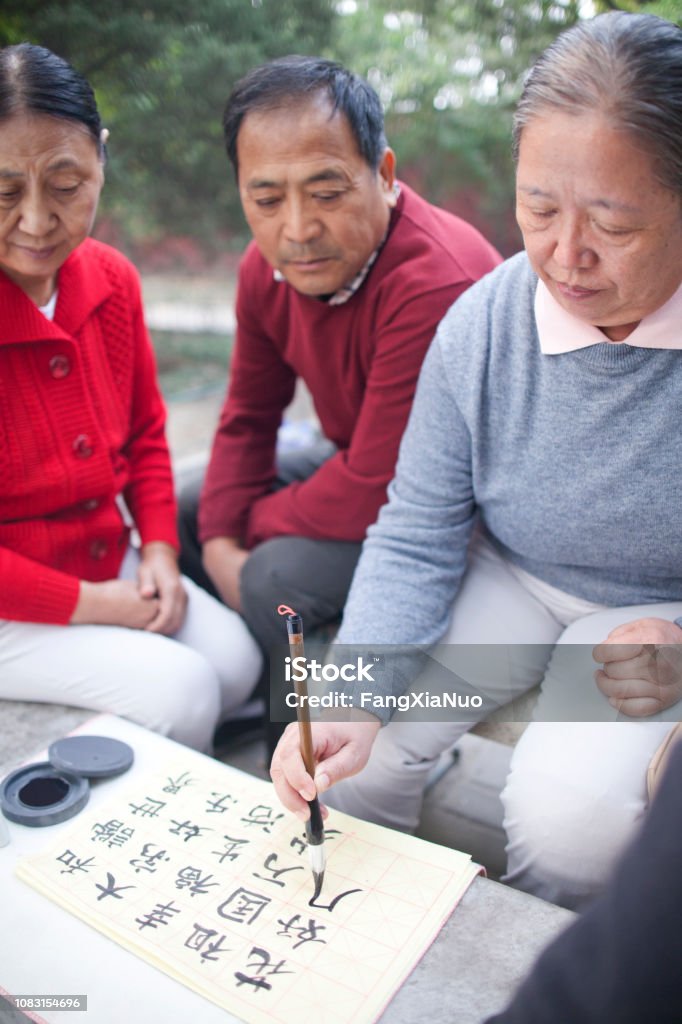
(180, 686)
(576, 790)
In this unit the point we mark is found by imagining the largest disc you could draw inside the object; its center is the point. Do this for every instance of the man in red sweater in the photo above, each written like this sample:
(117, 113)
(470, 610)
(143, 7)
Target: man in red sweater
(343, 286)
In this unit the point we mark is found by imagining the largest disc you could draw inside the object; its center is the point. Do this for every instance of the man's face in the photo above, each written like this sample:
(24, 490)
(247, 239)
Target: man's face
(316, 209)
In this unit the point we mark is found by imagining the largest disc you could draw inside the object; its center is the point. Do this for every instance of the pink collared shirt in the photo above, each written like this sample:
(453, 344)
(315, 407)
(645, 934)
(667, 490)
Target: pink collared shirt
(560, 332)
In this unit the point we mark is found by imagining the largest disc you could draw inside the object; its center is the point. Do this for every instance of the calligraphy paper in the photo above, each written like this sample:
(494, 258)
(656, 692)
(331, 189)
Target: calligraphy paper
(198, 870)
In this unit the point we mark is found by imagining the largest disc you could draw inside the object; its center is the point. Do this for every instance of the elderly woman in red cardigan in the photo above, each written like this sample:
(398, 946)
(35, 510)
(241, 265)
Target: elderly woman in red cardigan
(86, 616)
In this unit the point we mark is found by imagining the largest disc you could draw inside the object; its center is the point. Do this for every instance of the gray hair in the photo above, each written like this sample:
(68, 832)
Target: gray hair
(627, 67)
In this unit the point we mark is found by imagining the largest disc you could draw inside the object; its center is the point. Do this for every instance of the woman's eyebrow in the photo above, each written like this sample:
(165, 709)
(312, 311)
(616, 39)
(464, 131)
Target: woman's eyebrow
(607, 204)
(66, 163)
(613, 204)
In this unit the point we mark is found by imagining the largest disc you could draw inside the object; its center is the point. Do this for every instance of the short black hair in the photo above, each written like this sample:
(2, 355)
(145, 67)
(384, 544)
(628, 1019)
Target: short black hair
(270, 85)
(33, 79)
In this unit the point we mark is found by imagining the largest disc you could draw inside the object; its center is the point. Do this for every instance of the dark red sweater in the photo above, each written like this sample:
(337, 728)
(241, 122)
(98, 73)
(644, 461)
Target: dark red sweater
(360, 362)
(81, 420)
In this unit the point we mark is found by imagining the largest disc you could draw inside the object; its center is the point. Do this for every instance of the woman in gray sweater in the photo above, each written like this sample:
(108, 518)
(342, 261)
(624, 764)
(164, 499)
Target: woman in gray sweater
(536, 504)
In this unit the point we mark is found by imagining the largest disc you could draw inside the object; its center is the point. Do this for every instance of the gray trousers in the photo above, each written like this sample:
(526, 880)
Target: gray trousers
(311, 576)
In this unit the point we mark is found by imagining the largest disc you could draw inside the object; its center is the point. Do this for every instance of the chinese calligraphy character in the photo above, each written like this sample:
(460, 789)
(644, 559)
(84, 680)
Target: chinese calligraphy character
(191, 878)
(276, 872)
(305, 933)
(111, 889)
(262, 966)
(191, 831)
(231, 851)
(111, 832)
(200, 937)
(150, 809)
(148, 861)
(175, 785)
(219, 806)
(262, 816)
(73, 864)
(158, 915)
(244, 906)
(330, 906)
(300, 845)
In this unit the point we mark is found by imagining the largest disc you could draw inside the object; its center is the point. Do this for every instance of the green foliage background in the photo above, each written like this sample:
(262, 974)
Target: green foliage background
(448, 72)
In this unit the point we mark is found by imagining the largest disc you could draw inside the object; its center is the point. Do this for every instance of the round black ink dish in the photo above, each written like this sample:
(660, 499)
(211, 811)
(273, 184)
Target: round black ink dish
(49, 792)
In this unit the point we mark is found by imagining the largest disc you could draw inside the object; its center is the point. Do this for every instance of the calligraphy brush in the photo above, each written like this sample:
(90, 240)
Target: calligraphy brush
(314, 826)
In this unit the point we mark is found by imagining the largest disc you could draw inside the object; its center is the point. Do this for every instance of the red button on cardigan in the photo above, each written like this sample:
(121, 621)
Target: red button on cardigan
(60, 366)
(82, 446)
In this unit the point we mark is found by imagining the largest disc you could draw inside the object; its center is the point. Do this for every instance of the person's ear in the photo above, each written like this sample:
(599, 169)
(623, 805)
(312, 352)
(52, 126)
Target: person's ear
(386, 172)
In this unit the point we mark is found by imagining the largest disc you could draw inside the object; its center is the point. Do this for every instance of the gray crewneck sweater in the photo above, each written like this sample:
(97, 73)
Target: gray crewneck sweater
(573, 463)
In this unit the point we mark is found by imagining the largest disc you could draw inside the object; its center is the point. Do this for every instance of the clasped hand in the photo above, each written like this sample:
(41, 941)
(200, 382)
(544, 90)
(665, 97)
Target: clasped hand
(155, 602)
(642, 667)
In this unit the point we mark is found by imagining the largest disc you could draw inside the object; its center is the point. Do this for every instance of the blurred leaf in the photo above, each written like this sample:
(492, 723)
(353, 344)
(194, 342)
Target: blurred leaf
(449, 75)
(162, 70)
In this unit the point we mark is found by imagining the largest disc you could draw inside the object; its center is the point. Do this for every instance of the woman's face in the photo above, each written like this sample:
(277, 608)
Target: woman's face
(599, 230)
(50, 180)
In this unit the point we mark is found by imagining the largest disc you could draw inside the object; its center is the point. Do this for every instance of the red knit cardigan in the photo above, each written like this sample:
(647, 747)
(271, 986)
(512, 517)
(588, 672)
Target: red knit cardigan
(81, 421)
